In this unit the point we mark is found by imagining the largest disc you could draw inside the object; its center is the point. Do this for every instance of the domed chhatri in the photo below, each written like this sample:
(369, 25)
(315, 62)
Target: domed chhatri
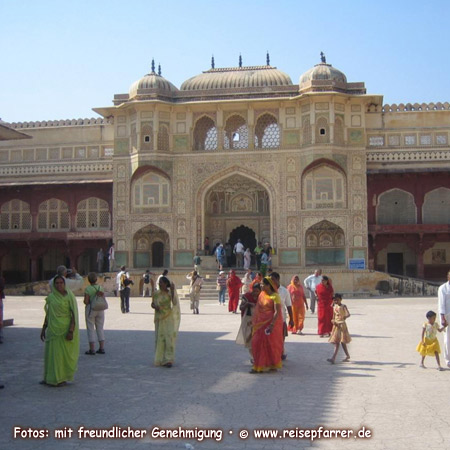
(152, 83)
(236, 78)
(322, 77)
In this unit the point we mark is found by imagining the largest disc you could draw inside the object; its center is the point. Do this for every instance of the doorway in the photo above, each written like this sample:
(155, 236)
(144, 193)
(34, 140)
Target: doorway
(157, 254)
(395, 263)
(247, 237)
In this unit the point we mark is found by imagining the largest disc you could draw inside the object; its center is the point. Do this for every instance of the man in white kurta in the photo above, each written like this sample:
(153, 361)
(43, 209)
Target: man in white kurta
(444, 313)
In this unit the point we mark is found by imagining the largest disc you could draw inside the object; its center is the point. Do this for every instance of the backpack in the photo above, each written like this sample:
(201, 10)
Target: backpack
(147, 278)
(98, 303)
(127, 282)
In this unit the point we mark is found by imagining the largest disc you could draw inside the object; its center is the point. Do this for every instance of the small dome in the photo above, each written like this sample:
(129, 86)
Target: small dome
(325, 75)
(237, 77)
(152, 83)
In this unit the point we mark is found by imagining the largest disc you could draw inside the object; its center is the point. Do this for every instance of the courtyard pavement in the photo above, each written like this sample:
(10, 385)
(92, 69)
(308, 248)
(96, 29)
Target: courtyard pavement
(382, 391)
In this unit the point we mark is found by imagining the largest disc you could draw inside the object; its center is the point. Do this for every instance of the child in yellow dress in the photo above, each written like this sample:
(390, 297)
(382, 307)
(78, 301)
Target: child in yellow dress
(429, 345)
(339, 333)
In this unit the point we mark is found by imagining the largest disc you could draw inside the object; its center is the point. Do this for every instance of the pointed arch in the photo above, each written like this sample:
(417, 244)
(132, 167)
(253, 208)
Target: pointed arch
(205, 133)
(396, 207)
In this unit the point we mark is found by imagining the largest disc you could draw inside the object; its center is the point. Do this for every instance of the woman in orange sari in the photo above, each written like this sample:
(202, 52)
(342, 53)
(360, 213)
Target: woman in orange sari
(299, 305)
(257, 280)
(234, 284)
(267, 334)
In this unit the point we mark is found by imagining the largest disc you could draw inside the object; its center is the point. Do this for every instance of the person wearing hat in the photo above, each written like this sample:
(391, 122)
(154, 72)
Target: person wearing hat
(73, 280)
(222, 287)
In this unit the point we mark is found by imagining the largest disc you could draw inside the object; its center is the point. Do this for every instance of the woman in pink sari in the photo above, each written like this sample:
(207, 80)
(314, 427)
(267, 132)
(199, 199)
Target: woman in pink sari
(234, 284)
(267, 335)
(324, 292)
(299, 305)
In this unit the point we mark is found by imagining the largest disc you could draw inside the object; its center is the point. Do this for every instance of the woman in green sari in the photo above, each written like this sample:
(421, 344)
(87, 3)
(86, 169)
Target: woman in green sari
(60, 334)
(167, 320)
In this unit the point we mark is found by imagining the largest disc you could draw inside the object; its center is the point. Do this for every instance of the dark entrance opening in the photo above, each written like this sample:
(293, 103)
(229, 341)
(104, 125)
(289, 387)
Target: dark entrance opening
(247, 237)
(395, 263)
(157, 254)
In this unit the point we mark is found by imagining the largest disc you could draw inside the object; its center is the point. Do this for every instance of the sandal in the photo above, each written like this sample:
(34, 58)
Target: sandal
(101, 351)
(89, 352)
(331, 361)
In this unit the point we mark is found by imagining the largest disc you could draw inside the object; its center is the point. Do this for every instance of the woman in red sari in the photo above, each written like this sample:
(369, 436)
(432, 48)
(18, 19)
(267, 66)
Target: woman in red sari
(234, 284)
(267, 335)
(324, 292)
(299, 305)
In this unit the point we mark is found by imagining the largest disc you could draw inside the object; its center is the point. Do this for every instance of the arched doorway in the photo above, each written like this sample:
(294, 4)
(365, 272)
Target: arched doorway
(151, 247)
(237, 207)
(157, 254)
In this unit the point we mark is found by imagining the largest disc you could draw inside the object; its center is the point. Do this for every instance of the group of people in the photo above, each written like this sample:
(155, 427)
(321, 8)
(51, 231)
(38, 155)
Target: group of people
(106, 261)
(60, 330)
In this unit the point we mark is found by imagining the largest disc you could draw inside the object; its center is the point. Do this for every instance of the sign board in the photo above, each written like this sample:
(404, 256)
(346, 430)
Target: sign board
(357, 263)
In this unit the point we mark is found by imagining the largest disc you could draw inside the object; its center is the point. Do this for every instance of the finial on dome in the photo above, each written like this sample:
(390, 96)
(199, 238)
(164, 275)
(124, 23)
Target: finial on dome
(267, 58)
(159, 69)
(213, 65)
(323, 58)
(240, 60)
(153, 65)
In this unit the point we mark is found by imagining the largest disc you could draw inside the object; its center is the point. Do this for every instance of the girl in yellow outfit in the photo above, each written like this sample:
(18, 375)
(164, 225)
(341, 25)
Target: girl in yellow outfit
(429, 345)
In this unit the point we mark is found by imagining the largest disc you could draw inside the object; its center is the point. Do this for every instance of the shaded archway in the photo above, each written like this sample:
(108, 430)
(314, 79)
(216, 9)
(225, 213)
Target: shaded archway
(325, 244)
(247, 237)
(151, 246)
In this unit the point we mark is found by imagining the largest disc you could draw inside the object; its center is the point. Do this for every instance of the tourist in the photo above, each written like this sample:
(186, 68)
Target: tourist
(94, 319)
(267, 330)
(324, 294)
(444, 312)
(195, 287)
(197, 262)
(164, 273)
(429, 344)
(220, 256)
(72, 279)
(60, 334)
(228, 254)
(286, 305)
(123, 282)
(167, 321)
(311, 282)
(339, 334)
(146, 287)
(247, 280)
(258, 253)
(234, 287)
(206, 245)
(2, 296)
(299, 305)
(247, 259)
(248, 302)
(264, 262)
(222, 287)
(100, 260)
(269, 250)
(111, 257)
(239, 252)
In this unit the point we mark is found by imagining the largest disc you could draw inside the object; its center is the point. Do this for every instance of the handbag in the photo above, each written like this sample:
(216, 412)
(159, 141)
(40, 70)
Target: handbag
(98, 303)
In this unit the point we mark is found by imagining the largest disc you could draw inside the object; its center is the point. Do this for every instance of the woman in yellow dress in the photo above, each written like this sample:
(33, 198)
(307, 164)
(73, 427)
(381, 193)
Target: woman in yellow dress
(167, 321)
(339, 333)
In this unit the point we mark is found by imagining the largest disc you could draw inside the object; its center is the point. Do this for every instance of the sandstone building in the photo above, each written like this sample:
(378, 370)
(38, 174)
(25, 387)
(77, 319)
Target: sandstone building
(320, 169)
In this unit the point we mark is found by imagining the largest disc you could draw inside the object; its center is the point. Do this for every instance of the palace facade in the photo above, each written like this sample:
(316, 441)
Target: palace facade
(320, 169)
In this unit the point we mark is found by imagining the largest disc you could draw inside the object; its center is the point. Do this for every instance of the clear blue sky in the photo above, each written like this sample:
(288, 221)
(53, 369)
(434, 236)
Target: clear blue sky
(59, 59)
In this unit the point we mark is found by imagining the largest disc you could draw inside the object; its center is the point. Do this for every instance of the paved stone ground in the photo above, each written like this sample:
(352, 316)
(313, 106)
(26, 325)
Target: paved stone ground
(382, 389)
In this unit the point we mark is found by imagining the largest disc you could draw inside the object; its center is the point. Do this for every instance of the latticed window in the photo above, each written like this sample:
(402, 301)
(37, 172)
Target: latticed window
(306, 127)
(146, 137)
(324, 187)
(322, 131)
(267, 132)
(235, 133)
(151, 190)
(53, 215)
(205, 134)
(15, 216)
(163, 138)
(396, 207)
(436, 207)
(93, 213)
(338, 132)
(325, 244)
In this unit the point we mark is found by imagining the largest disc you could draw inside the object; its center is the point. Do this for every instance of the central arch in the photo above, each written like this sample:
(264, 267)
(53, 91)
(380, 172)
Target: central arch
(151, 247)
(231, 200)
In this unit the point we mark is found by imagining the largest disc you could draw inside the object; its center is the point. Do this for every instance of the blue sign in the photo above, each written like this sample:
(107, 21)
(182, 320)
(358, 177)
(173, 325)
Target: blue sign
(357, 263)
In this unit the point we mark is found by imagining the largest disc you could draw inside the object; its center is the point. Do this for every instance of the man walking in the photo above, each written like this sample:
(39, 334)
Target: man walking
(444, 312)
(239, 252)
(311, 283)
